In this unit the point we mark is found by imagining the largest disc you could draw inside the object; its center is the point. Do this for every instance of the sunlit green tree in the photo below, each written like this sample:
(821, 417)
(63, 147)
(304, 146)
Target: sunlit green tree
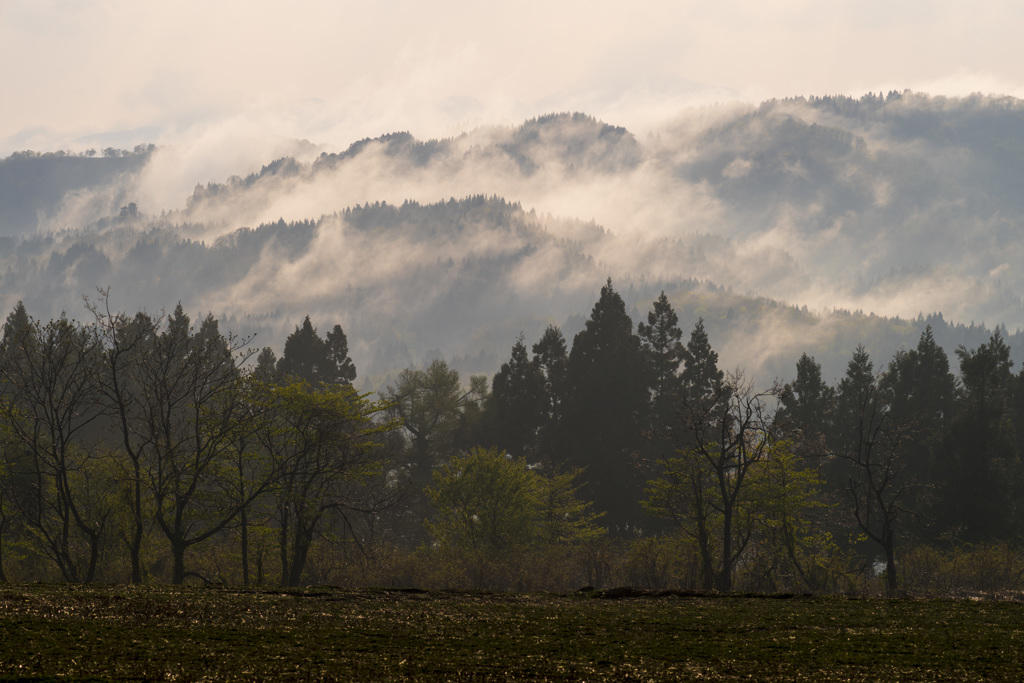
(488, 500)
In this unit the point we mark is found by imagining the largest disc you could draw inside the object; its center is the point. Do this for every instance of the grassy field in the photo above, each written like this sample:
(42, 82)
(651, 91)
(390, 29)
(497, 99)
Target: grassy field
(162, 633)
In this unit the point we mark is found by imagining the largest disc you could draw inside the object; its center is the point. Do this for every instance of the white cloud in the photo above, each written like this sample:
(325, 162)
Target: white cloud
(333, 72)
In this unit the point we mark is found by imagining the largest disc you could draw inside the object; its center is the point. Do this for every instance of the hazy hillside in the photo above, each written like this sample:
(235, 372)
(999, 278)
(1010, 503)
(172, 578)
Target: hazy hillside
(762, 220)
(35, 189)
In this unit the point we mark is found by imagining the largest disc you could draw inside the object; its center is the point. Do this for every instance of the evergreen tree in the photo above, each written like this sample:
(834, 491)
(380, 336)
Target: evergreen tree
(701, 379)
(856, 387)
(921, 391)
(807, 403)
(661, 340)
(266, 365)
(979, 467)
(17, 321)
(514, 409)
(551, 357)
(340, 364)
(918, 383)
(607, 408)
(312, 359)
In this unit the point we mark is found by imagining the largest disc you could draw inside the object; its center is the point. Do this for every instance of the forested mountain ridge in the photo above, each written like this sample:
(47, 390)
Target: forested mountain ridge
(409, 282)
(33, 186)
(760, 219)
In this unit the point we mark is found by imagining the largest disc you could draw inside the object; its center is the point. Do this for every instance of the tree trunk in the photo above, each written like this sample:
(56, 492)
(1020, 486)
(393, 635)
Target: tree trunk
(3, 576)
(891, 586)
(136, 544)
(725, 578)
(245, 548)
(178, 573)
(94, 554)
(707, 561)
(283, 546)
(300, 551)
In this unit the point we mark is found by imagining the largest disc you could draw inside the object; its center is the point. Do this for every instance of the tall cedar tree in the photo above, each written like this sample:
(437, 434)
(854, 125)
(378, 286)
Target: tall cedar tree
(661, 340)
(551, 356)
(921, 393)
(606, 410)
(514, 409)
(807, 402)
(856, 396)
(701, 379)
(858, 382)
(980, 466)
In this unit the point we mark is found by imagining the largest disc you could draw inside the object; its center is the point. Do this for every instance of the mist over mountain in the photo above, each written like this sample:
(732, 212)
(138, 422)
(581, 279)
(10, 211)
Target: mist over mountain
(769, 222)
(35, 187)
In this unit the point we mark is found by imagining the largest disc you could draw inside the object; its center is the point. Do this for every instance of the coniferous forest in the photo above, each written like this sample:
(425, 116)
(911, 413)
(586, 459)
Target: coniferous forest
(141, 447)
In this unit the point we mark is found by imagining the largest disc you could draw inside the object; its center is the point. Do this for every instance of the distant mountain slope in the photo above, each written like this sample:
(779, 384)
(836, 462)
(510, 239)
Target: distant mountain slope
(900, 205)
(34, 187)
(457, 276)
(461, 279)
(757, 218)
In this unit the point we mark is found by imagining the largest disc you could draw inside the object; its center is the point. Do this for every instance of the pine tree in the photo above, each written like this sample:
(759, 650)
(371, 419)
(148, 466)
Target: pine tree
(266, 365)
(17, 320)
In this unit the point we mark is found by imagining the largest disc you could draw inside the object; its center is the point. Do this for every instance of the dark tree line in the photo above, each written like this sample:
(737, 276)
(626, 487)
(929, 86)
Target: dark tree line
(140, 446)
(911, 454)
(136, 440)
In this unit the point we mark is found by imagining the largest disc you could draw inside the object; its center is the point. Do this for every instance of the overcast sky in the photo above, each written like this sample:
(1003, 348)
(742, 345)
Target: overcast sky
(81, 73)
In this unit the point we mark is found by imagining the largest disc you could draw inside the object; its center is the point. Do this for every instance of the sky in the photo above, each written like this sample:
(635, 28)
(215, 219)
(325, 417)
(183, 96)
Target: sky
(76, 74)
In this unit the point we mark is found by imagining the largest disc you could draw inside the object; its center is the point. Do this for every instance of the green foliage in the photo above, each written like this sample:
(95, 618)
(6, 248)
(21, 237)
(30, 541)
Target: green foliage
(794, 550)
(484, 501)
(488, 500)
(321, 447)
(431, 405)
